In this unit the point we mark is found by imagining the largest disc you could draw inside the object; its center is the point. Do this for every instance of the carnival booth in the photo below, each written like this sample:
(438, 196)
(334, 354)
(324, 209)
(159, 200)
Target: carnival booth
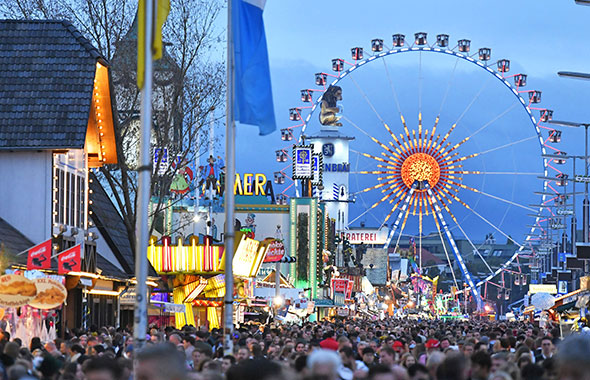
(29, 303)
(195, 273)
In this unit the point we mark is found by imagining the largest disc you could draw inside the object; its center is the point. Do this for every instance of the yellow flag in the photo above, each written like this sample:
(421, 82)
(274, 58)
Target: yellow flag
(161, 16)
(163, 8)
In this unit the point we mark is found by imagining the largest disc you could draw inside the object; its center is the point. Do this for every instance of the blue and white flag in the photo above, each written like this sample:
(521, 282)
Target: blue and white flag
(252, 90)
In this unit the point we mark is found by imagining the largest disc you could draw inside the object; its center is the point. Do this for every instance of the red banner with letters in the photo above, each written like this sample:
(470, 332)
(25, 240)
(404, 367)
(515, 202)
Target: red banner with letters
(275, 252)
(39, 257)
(69, 260)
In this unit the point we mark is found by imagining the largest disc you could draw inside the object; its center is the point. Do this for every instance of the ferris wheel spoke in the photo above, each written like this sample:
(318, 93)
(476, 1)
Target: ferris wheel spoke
(471, 243)
(444, 99)
(491, 224)
(493, 173)
(404, 209)
(395, 97)
(382, 145)
(493, 120)
(503, 146)
(420, 89)
(373, 206)
(490, 195)
(443, 243)
(364, 95)
(473, 100)
(401, 231)
(458, 257)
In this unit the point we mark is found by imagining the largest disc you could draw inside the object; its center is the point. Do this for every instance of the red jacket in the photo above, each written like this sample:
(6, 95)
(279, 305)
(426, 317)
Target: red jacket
(329, 344)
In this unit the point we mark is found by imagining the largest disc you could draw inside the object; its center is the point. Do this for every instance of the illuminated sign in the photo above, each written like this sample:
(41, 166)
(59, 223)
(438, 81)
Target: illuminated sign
(248, 256)
(317, 165)
(543, 288)
(275, 252)
(341, 285)
(178, 258)
(367, 236)
(302, 162)
(344, 167)
(251, 184)
(328, 149)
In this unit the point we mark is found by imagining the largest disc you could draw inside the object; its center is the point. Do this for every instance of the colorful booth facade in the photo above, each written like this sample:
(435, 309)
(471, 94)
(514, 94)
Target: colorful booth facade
(197, 274)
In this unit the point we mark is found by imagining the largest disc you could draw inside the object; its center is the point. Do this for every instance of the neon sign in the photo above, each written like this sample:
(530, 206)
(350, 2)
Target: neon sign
(248, 257)
(178, 258)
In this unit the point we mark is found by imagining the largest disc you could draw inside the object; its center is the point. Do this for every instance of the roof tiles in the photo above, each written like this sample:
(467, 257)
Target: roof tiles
(46, 76)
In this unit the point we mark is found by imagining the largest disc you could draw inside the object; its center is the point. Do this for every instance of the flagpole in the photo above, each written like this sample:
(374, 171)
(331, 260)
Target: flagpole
(229, 189)
(144, 186)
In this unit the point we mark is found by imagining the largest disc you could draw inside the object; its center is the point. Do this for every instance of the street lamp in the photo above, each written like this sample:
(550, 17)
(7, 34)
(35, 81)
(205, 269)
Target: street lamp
(573, 75)
(585, 204)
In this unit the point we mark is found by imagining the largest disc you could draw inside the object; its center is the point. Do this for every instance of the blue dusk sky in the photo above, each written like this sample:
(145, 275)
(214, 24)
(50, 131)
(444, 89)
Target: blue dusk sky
(539, 38)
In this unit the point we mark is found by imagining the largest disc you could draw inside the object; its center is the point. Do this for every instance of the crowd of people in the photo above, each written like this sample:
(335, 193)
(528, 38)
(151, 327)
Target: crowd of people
(390, 349)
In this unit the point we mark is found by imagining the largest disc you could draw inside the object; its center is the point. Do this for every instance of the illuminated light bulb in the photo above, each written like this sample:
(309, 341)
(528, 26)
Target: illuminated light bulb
(100, 127)
(102, 134)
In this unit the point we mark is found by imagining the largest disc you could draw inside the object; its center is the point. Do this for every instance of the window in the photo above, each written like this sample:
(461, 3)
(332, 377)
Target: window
(69, 189)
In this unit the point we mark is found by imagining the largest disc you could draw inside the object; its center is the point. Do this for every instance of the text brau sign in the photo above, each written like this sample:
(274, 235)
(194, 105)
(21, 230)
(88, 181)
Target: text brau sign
(344, 167)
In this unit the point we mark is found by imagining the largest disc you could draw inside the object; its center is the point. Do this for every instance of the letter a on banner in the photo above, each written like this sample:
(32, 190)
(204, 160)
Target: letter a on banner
(39, 257)
(69, 260)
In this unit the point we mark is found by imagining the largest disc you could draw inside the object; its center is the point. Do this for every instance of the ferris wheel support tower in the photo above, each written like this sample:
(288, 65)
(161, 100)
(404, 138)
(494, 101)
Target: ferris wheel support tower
(334, 147)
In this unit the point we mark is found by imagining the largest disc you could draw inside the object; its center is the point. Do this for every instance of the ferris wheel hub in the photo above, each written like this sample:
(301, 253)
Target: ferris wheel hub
(420, 167)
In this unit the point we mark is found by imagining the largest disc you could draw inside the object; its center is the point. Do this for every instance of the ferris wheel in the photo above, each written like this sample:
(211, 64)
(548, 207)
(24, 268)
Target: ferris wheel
(443, 141)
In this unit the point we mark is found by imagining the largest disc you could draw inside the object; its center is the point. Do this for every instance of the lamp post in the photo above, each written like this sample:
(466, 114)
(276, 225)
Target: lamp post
(585, 202)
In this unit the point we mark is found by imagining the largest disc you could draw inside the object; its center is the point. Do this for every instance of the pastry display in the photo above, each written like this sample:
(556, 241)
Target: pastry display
(16, 290)
(49, 296)
(19, 288)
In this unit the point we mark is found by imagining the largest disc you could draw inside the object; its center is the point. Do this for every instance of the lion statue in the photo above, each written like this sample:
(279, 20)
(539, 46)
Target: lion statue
(329, 106)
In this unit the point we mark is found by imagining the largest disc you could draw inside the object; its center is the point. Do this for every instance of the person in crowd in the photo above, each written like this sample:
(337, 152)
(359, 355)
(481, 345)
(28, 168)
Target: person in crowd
(323, 364)
(418, 372)
(546, 350)
(329, 342)
(160, 362)
(242, 354)
(101, 368)
(481, 363)
(368, 356)
(572, 358)
(387, 356)
(407, 360)
(498, 360)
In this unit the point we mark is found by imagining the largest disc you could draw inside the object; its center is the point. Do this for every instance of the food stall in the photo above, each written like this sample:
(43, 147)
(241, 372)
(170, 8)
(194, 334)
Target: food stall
(29, 301)
(195, 273)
